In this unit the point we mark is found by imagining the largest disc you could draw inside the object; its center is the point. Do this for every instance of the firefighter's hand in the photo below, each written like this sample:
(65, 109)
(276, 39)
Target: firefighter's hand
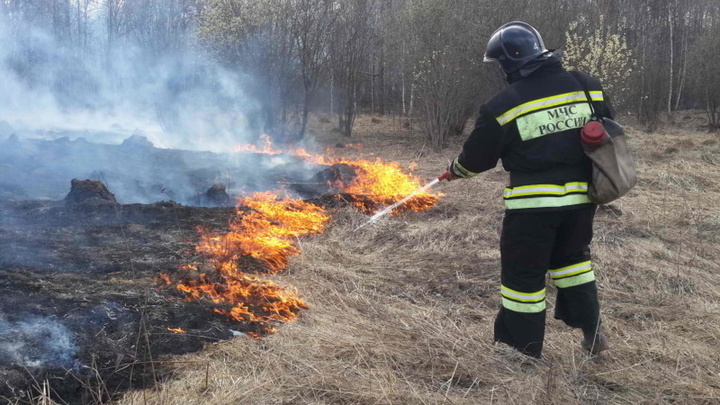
(449, 176)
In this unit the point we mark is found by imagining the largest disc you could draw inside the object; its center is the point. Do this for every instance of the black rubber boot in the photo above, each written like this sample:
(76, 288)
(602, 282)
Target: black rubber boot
(593, 342)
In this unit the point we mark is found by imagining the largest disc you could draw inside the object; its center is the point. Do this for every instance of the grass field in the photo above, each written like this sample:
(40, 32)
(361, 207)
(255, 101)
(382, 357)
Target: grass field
(401, 312)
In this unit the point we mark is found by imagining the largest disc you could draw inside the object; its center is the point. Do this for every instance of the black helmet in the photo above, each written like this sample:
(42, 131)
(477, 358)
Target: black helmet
(514, 45)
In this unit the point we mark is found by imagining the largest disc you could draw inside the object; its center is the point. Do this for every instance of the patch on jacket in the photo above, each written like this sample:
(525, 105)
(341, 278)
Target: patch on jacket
(554, 120)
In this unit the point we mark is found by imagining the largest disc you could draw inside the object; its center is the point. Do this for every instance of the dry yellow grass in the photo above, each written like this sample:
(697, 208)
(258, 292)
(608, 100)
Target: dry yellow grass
(401, 312)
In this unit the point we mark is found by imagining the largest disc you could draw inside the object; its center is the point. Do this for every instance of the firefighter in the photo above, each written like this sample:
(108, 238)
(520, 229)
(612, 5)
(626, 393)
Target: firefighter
(533, 126)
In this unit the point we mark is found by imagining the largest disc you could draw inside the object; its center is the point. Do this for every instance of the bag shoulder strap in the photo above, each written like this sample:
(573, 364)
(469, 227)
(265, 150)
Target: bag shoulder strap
(580, 80)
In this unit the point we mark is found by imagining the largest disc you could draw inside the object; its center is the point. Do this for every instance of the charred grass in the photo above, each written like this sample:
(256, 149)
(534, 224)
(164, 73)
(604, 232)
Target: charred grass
(402, 312)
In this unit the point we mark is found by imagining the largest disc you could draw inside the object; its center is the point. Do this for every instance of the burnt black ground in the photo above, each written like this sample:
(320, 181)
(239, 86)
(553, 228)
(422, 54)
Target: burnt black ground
(80, 305)
(88, 272)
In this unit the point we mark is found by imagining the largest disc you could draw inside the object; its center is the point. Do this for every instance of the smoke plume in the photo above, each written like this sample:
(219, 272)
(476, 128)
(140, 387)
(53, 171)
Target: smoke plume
(178, 98)
(36, 342)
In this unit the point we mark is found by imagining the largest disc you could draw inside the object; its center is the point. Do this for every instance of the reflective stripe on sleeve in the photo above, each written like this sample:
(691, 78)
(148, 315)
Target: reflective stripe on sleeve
(528, 308)
(570, 271)
(458, 169)
(572, 281)
(521, 296)
(539, 104)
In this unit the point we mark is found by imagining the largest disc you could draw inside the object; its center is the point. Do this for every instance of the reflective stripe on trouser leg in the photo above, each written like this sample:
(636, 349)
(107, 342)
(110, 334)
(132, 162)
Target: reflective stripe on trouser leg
(526, 247)
(521, 321)
(572, 272)
(577, 304)
(573, 275)
(526, 302)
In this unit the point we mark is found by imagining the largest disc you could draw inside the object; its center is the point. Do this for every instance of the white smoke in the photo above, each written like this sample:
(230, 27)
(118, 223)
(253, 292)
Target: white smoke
(36, 342)
(180, 99)
(84, 96)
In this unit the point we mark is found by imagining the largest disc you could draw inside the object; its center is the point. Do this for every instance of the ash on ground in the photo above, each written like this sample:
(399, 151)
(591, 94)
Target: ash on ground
(80, 302)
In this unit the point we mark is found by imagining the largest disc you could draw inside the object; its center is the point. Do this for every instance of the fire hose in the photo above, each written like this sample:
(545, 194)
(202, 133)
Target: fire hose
(387, 210)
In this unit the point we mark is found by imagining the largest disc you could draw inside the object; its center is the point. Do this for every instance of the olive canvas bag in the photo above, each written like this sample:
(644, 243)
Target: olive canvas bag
(613, 173)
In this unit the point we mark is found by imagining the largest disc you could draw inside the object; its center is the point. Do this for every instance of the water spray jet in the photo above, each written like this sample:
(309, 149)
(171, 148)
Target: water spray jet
(387, 210)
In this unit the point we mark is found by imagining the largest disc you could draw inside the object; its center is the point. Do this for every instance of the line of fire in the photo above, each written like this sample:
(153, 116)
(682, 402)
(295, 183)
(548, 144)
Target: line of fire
(102, 280)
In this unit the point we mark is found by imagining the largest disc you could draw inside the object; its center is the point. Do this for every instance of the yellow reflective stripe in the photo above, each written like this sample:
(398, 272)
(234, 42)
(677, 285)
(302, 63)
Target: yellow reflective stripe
(463, 172)
(544, 192)
(547, 102)
(528, 308)
(547, 202)
(575, 183)
(550, 189)
(573, 270)
(573, 281)
(521, 296)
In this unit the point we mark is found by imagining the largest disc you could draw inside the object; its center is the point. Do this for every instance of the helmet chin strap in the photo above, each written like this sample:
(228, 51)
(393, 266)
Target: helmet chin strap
(502, 71)
(533, 65)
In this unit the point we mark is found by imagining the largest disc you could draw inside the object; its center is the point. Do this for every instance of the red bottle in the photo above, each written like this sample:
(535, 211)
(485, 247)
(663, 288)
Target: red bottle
(593, 134)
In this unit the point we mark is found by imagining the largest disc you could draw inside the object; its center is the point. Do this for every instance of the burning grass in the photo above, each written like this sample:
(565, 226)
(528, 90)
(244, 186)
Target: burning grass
(379, 184)
(402, 311)
(265, 231)
(376, 183)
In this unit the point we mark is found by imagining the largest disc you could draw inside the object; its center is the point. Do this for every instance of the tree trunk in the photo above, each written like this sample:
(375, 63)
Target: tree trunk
(383, 106)
(372, 87)
(412, 99)
(332, 91)
(712, 110)
(305, 118)
(402, 79)
(672, 58)
(683, 72)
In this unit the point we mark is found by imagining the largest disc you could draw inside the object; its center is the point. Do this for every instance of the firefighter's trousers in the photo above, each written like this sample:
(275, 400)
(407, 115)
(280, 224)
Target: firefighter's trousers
(533, 245)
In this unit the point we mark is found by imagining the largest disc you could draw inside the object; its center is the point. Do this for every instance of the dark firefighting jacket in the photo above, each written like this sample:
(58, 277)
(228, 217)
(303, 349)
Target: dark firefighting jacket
(534, 127)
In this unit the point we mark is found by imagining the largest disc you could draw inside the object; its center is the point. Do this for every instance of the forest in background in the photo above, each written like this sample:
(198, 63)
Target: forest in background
(275, 62)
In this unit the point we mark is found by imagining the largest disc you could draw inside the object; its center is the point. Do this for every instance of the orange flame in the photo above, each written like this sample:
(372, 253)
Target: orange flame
(379, 184)
(246, 298)
(266, 147)
(263, 235)
(176, 330)
(261, 239)
(266, 233)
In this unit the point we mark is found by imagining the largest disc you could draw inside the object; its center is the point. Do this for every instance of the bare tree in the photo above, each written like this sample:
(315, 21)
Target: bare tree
(448, 70)
(312, 25)
(349, 52)
(255, 38)
(418, 58)
(706, 57)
